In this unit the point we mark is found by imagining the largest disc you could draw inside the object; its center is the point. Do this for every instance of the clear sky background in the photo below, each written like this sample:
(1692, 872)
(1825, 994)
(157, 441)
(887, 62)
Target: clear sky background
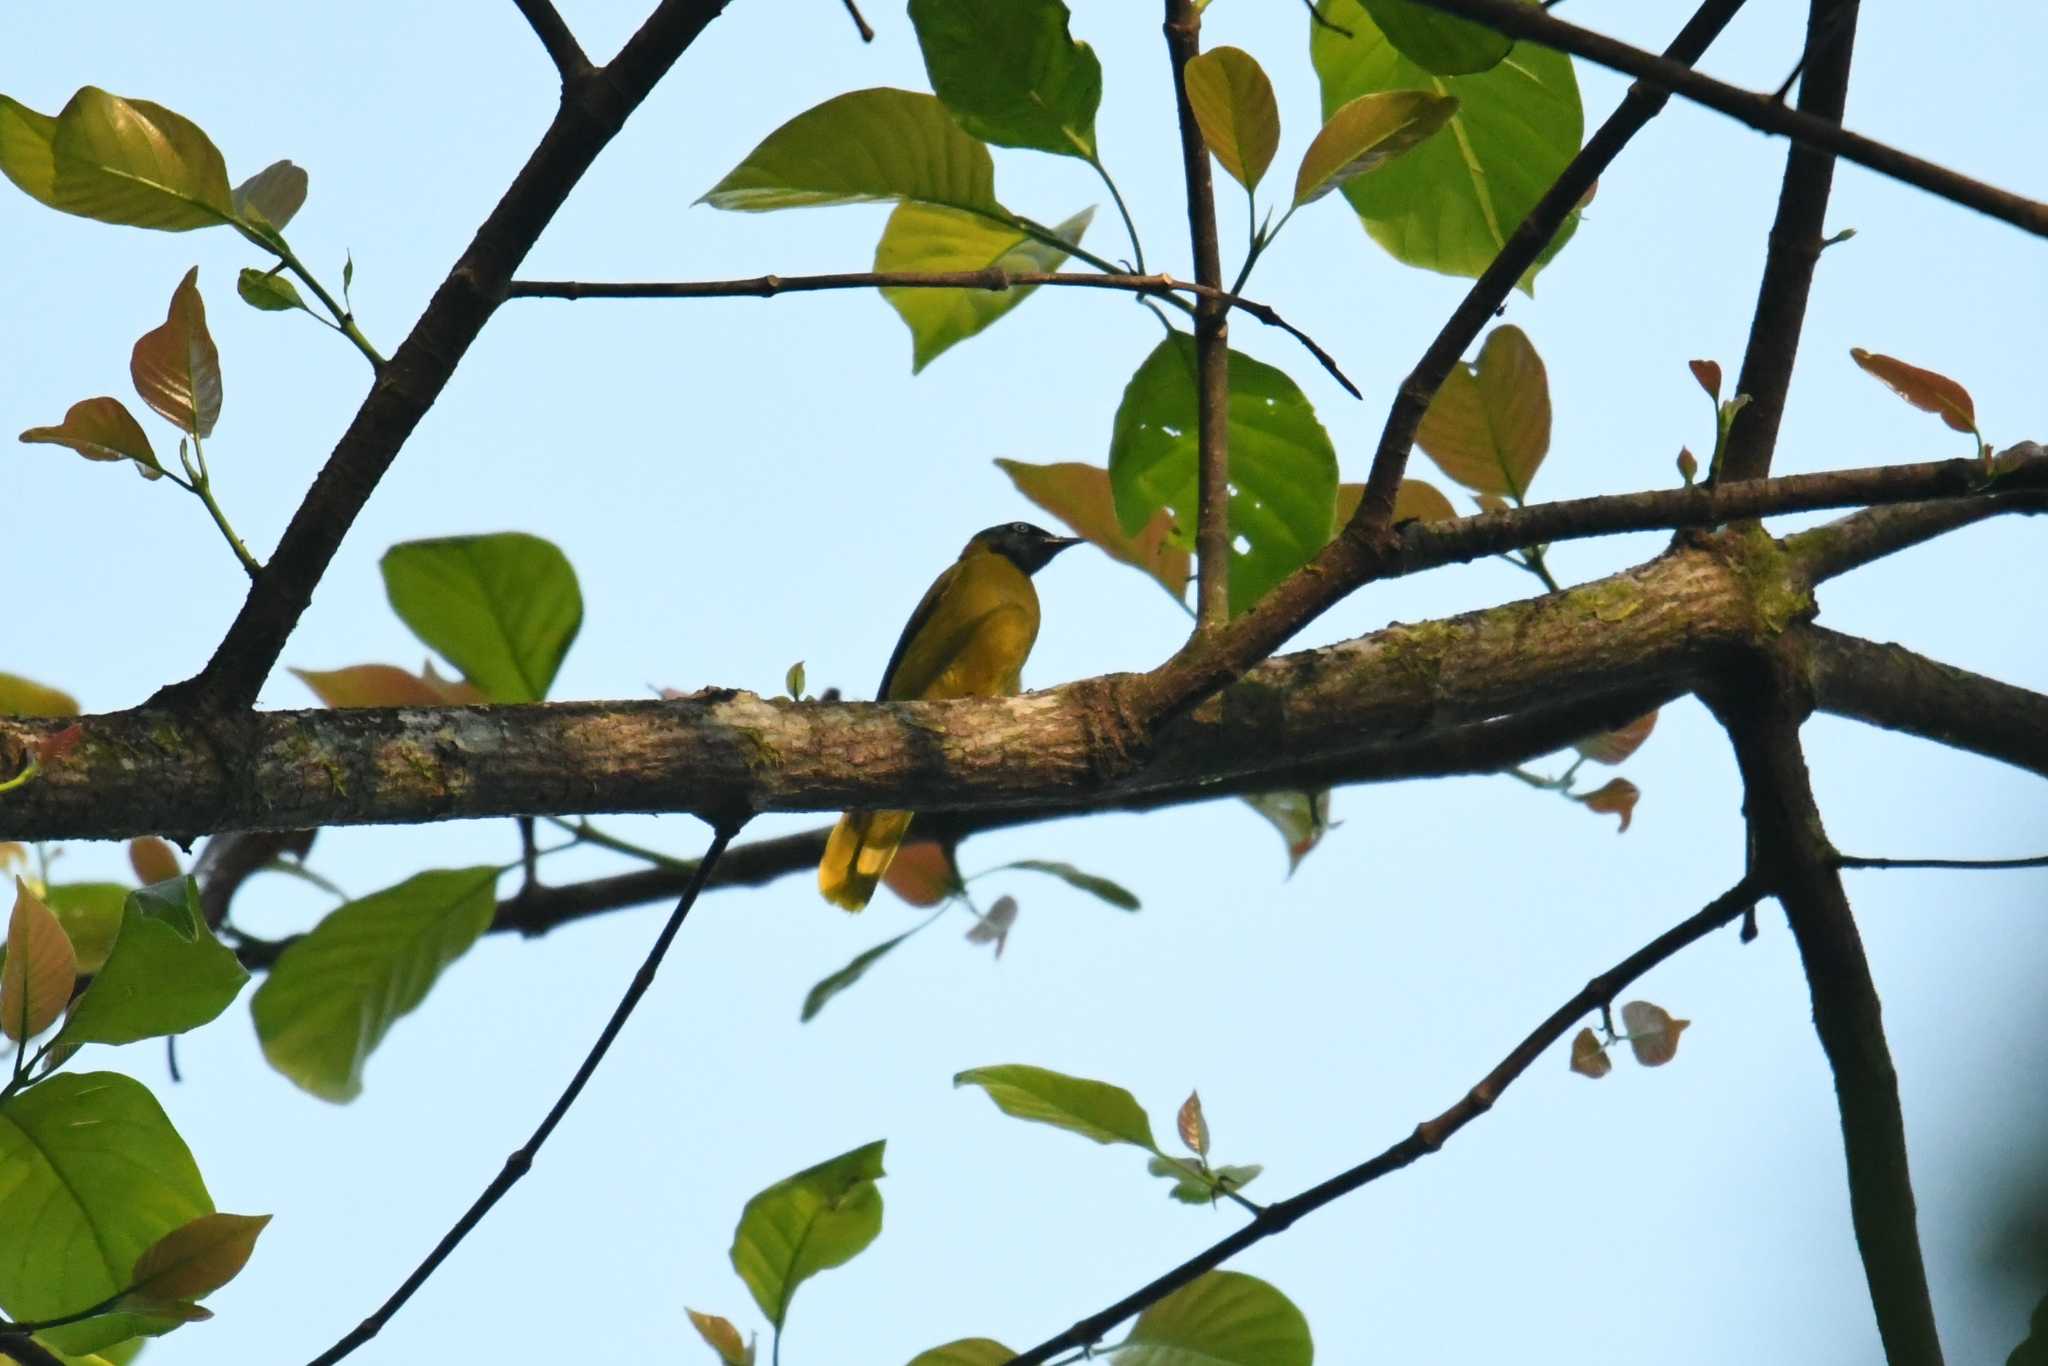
(744, 484)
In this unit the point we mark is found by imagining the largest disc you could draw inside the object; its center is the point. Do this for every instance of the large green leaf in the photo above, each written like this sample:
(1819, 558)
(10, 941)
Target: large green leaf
(165, 974)
(1234, 106)
(503, 608)
(1221, 1318)
(333, 995)
(1092, 1109)
(1010, 73)
(120, 161)
(1440, 43)
(822, 1217)
(1281, 463)
(91, 1174)
(859, 147)
(1452, 202)
(922, 237)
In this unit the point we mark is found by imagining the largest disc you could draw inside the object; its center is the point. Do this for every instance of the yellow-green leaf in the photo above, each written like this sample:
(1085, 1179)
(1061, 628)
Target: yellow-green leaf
(101, 429)
(1301, 817)
(504, 608)
(164, 974)
(22, 697)
(724, 1339)
(1234, 105)
(1010, 72)
(26, 155)
(965, 1352)
(1489, 425)
(268, 293)
(176, 367)
(117, 160)
(196, 1258)
(1924, 389)
(822, 1217)
(1079, 495)
(927, 238)
(1366, 134)
(1092, 1109)
(39, 971)
(1222, 1318)
(859, 147)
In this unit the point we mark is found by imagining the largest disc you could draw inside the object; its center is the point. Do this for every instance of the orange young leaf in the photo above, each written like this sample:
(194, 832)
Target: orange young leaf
(152, 860)
(195, 1258)
(387, 685)
(1610, 747)
(1708, 373)
(1193, 1125)
(101, 429)
(1652, 1033)
(1617, 798)
(1489, 426)
(1589, 1059)
(40, 970)
(1688, 464)
(723, 1338)
(922, 873)
(1924, 389)
(176, 368)
(1078, 494)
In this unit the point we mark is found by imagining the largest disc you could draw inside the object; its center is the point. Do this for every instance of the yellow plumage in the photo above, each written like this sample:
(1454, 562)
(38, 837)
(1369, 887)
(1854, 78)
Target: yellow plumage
(969, 637)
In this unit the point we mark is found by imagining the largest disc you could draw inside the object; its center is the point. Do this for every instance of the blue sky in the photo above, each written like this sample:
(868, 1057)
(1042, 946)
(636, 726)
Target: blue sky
(744, 483)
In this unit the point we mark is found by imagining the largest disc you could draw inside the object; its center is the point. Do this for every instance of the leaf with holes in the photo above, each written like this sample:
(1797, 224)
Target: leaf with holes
(1366, 134)
(822, 1217)
(1079, 495)
(176, 367)
(860, 147)
(923, 237)
(502, 608)
(101, 429)
(1924, 389)
(1234, 107)
(1010, 73)
(1489, 426)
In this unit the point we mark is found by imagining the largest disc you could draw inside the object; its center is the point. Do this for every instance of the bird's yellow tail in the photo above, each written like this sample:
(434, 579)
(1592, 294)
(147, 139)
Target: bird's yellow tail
(860, 850)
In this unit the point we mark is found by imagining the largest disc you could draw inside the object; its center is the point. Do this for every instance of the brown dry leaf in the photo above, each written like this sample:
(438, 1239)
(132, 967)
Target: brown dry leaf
(922, 873)
(101, 429)
(176, 368)
(152, 859)
(1489, 426)
(1652, 1033)
(40, 970)
(195, 1258)
(1589, 1059)
(1079, 495)
(1617, 798)
(723, 1338)
(387, 685)
(1193, 1126)
(1924, 389)
(1610, 747)
(1708, 373)
(994, 928)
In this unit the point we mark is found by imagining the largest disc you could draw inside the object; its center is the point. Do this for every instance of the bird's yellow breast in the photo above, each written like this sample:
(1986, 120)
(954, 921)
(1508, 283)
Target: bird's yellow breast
(970, 635)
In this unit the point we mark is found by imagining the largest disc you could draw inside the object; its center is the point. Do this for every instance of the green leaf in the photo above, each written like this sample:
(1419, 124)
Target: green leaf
(859, 147)
(195, 1259)
(270, 293)
(1194, 1187)
(822, 1217)
(965, 1352)
(1489, 425)
(121, 161)
(1451, 204)
(165, 974)
(333, 994)
(826, 989)
(176, 367)
(1366, 134)
(90, 913)
(1234, 105)
(272, 196)
(502, 608)
(1102, 887)
(1281, 462)
(1010, 73)
(1442, 44)
(1221, 1318)
(1301, 817)
(91, 1174)
(1092, 1109)
(922, 237)
(22, 697)
(101, 429)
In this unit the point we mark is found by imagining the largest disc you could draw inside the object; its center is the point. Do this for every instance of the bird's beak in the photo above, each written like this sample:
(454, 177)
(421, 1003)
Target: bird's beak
(1059, 543)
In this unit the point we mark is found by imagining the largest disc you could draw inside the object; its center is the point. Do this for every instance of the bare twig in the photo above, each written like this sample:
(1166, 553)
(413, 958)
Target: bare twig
(521, 1160)
(562, 48)
(1758, 111)
(1796, 242)
(1890, 686)
(1212, 337)
(992, 278)
(1959, 864)
(1428, 1137)
(860, 23)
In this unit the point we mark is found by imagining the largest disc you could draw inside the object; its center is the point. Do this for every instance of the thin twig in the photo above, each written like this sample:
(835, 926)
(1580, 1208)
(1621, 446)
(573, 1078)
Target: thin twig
(1429, 1136)
(1967, 864)
(548, 26)
(992, 278)
(1212, 336)
(860, 24)
(1761, 112)
(521, 1161)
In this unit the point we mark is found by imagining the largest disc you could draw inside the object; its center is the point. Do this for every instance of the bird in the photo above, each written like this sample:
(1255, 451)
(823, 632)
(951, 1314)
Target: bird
(968, 638)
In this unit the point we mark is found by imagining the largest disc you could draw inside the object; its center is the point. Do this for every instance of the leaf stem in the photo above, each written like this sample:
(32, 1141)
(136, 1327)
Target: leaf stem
(1130, 228)
(344, 320)
(201, 488)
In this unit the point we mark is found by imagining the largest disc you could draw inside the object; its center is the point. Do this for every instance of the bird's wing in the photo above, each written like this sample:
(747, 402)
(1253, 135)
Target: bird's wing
(916, 623)
(969, 636)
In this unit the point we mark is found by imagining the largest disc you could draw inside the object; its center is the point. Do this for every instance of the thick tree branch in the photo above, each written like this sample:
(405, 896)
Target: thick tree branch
(1890, 686)
(1428, 1137)
(1790, 853)
(561, 45)
(1212, 337)
(1795, 247)
(594, 107)
(992, 278)
(1761, 112)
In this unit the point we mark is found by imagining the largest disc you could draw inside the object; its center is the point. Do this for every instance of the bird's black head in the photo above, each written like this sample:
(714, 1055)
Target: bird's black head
(1028, 547)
